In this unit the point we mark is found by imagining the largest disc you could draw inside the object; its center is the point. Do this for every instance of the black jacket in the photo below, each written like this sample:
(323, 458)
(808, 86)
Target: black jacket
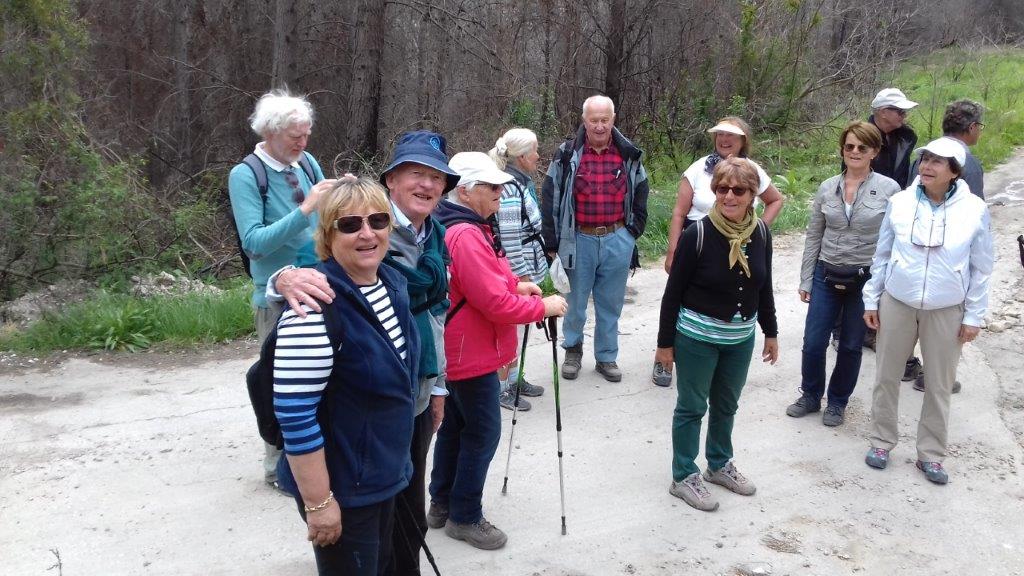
(705, 284)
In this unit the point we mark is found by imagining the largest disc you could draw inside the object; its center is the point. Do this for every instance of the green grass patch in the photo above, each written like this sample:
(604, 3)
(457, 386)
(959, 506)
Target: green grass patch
(114, 321)
(799, 159)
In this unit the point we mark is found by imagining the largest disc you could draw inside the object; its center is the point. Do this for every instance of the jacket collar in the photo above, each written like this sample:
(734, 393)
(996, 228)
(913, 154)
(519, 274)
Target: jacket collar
(626, 148)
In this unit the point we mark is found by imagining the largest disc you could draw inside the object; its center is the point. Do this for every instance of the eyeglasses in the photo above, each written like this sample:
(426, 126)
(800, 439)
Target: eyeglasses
(737, 191)
(930, 233)
(353, 224)
(862, 148)
(298, 196)
(980, 125)
(899, 111)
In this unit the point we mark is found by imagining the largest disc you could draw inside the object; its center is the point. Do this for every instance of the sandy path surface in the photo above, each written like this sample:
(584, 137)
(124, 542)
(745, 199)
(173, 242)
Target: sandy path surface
(150, 464)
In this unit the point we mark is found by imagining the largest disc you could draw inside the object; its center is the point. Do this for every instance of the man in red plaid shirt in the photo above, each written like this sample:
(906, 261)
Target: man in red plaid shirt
(594, 208)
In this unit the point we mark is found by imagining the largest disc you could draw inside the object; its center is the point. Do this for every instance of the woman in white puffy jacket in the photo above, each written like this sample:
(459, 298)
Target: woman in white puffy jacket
(929, 283)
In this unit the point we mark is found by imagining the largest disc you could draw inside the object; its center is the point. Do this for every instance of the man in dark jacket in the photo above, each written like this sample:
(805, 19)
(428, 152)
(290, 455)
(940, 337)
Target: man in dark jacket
(594, 209)
(889, 115)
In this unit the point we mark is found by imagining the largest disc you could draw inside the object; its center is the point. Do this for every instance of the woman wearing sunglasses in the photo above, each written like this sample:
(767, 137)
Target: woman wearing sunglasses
(719, 287)
(488, 301)
(344, 394)
(841, 235)
(929, 283)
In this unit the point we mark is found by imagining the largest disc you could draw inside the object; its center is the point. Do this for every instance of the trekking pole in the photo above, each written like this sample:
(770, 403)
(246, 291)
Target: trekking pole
(515, 407)
(553, 334)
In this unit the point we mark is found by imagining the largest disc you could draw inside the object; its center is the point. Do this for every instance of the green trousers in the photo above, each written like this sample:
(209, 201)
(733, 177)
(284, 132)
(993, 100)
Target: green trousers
(709, 378)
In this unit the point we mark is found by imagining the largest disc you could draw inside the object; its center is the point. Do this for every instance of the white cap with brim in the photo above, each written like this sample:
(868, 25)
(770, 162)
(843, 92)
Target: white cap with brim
(892, 98)
(727, 128)
(947, 148)
(478, 167)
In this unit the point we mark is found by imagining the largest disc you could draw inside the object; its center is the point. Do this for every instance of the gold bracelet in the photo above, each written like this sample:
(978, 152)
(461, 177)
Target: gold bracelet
(320, 506)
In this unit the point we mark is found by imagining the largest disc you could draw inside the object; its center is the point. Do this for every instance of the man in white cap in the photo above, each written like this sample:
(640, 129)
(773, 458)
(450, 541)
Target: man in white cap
(889, 114)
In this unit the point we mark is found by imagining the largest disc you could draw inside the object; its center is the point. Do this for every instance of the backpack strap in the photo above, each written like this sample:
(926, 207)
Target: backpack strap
(259, 170)
(307, 167)
(455, 310)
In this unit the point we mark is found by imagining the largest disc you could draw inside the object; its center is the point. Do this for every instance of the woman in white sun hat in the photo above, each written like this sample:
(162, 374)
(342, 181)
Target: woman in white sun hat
(929, 283)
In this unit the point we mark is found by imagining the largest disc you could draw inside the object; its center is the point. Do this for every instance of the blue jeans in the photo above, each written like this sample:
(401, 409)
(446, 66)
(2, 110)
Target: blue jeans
(601, 268)
(466, 443)
(827, 304)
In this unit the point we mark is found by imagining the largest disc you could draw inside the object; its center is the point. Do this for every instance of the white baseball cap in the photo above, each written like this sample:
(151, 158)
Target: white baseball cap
(478, 167)
(892, 97)
(727, 127)
(947, 148)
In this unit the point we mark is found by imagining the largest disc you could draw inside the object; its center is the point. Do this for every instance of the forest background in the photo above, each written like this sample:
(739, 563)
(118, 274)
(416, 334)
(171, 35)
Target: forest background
(120, 120)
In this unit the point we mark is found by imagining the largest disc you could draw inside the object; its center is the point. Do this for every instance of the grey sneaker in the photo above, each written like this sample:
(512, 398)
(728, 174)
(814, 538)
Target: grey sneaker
(692, 491)
(933, 471)
(437, 515)
(660, 376)
(507, 400)
(482, 535)
(610, 371)
(572, 363)
(803, 406)
(531, 390)
(919, 384)
(877, 458)
(729, 477)
(833, 416)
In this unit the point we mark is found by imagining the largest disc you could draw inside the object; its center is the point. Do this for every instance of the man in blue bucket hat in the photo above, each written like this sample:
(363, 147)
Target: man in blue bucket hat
(417, 178)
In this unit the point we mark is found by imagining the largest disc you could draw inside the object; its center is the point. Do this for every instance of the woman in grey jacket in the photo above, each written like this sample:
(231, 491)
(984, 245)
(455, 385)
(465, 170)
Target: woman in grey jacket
(841, 238)
(930, 277)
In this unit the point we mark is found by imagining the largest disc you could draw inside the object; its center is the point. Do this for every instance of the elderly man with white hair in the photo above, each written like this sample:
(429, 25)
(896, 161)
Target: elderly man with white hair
(594, 209)
(274, 193)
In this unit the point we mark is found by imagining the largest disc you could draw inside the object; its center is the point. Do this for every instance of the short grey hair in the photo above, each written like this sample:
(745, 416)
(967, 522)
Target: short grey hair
(513, 144)
(598, 99)
(960, 115)
(277, 110)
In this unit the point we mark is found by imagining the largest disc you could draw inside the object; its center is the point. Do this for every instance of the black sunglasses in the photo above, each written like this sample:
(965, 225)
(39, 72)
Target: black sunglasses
(298, 196)
(862, 148)
(353, 224)
(898, 111)
(736, 191)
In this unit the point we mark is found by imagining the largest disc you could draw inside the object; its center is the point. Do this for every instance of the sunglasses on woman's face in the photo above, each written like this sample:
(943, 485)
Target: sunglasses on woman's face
(736, 191)
(862, 148)
(353, 224)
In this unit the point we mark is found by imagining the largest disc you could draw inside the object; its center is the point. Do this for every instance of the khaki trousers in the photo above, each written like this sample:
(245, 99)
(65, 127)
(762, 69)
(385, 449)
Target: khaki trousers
(902, 326)
(266, 319)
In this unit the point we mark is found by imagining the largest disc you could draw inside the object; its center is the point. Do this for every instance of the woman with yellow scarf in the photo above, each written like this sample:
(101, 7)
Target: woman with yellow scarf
(719, 287)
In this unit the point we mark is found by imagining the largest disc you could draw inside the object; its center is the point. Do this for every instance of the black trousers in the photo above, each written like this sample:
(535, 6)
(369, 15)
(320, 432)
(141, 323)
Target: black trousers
(410, 523)
(364, 548)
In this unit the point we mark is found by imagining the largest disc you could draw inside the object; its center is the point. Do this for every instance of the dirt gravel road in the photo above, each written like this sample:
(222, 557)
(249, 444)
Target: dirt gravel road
(149, 464)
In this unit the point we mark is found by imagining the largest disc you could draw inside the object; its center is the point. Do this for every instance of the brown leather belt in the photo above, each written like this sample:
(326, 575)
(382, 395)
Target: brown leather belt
(600, 230)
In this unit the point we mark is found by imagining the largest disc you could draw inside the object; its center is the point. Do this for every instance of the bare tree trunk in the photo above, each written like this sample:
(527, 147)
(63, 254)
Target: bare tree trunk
(364, 90)
(429, 72)
(283, 69)
(180, 124)
(615, 51)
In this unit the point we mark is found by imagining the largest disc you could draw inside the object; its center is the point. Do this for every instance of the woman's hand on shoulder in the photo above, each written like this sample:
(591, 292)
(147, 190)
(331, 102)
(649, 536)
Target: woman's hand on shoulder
(770, 353)
(324, 526)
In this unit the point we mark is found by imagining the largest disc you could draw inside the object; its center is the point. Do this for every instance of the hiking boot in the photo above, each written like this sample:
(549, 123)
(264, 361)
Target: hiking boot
(610, 371)
(437, 515)
(877, 458)
(803, 406)
(913, 370)
(933, 471)
(919, 384)
(730, 478)
(482, 534)
(834, 415)
(507, 400)
(692, 491)
(573, 361)
(869, 339)
(660, 376)
(531, 390)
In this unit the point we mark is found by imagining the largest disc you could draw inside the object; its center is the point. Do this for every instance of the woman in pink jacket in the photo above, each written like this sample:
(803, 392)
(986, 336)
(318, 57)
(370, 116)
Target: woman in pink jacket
(488, 301)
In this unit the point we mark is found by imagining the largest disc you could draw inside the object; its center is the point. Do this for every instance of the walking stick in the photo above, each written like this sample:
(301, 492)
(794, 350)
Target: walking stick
(553, 335)
(515, 406)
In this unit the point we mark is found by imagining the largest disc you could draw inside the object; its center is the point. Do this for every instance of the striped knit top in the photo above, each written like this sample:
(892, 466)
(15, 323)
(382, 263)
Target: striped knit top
(303, 361)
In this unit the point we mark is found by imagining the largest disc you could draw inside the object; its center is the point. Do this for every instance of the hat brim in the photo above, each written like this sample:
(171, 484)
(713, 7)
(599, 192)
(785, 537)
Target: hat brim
(904, 104)
(725, 127)
(451, 178)
(492, 177)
